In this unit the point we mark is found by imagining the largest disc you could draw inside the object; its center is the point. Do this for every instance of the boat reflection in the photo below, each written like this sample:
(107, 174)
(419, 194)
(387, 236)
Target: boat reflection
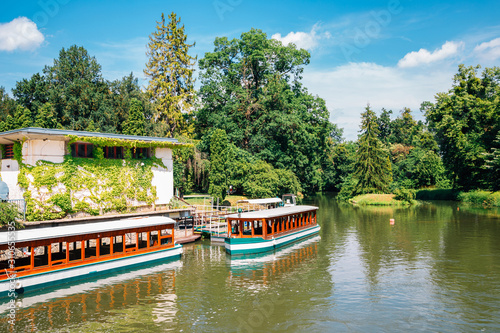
(97, 300)
(256, 270)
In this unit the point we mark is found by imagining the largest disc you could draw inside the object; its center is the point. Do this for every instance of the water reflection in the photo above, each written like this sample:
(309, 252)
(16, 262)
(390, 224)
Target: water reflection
(98, 303)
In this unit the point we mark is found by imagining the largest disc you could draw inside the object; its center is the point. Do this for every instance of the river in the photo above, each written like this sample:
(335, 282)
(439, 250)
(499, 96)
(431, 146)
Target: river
(436, 269)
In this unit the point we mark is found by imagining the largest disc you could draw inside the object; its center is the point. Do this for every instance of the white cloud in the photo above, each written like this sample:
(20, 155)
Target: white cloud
(348, 88)
(489, 51)
(423, 56)
(303, 40)
(20, 33)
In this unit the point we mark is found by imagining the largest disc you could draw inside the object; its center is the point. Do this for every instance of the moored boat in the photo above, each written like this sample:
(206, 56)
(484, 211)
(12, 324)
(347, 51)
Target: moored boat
(261, 231)
(48, 256)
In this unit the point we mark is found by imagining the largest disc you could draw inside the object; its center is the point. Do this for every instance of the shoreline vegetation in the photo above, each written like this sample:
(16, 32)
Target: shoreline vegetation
(486, 199)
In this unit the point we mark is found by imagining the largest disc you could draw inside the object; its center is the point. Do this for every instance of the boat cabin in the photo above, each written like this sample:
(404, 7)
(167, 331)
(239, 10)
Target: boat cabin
(53, 248)
(268, 203)
(289, 199)
(271, 223)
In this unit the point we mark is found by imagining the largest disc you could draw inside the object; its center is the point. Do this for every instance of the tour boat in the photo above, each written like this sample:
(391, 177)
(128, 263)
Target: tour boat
(261, 231)
(51, 255)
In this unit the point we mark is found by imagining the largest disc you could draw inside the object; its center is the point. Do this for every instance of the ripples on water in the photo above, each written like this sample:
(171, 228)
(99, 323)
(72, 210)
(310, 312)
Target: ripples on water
(437, 269)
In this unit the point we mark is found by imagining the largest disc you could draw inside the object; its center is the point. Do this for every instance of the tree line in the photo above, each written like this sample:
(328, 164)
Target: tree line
(255, 127)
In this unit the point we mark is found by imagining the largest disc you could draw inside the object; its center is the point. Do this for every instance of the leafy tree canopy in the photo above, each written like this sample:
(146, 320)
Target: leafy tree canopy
(251, 87)
(465, 123)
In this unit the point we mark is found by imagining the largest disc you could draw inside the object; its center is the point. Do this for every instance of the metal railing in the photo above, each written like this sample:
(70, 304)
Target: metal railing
(21, 206)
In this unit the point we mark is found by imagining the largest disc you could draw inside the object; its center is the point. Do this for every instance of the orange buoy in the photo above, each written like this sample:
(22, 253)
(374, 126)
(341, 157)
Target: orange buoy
(391, 221)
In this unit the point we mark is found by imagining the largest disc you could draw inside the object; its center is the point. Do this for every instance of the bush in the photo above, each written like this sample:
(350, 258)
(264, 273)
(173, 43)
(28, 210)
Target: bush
(480, 197)
(8, 213)
(403, 194)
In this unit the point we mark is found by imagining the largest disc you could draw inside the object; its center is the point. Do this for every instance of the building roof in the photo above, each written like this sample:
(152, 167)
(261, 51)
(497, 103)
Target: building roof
(272, 213)
(27, 235)
(262, 201)
(58, 134)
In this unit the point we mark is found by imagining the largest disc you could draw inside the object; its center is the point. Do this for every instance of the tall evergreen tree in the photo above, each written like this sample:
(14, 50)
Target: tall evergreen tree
(219, 150)
(372, 168)
(135, 123)
(46, 117)
(170, 71)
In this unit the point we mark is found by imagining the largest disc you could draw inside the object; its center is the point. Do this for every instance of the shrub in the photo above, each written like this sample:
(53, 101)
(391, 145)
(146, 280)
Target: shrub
(404, 194)
(8, 213)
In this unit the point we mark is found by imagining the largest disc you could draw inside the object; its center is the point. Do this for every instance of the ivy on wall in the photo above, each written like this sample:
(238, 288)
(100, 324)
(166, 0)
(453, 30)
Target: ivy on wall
(91, 185)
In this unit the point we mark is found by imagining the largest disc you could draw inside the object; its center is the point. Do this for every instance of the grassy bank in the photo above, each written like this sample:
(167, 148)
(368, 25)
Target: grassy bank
(377, 200)
(484, 198)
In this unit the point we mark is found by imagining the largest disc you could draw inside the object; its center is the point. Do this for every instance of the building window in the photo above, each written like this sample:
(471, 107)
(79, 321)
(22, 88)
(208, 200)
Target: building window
(8, 151)
(113, 152)
(141, 153)
(81, 149)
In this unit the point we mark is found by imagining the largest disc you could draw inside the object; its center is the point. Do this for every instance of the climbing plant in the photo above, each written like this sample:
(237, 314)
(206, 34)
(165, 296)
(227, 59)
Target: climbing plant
(91, 185)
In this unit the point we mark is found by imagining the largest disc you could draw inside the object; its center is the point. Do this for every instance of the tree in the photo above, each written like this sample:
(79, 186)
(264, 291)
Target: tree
(46, 117)
(7, 104)
(372, 168)
(251, 88)
(385, 126)
(465, 123)
(170, 70)
(493, 165)
(218, 165)
(135, 123)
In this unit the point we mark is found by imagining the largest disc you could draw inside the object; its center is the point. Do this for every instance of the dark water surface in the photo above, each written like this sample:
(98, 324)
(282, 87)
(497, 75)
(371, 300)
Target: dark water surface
(437, 269)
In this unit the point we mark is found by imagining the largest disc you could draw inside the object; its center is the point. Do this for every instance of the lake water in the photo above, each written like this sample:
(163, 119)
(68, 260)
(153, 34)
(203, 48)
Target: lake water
(436, 269)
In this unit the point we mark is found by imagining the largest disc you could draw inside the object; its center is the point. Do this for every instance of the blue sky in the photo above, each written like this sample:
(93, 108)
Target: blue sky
(391, 54)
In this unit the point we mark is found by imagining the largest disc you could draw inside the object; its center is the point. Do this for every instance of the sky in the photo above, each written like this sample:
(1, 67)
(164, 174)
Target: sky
(388, 54)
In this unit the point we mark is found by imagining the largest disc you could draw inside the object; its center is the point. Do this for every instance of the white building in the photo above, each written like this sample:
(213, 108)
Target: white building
(42, 151)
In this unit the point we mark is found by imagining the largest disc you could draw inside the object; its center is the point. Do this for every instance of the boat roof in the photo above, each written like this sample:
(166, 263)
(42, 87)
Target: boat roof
(26, 235)
(261, 201)
(275, 212)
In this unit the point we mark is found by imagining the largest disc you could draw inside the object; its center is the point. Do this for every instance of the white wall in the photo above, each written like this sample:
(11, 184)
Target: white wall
(47, 150)
(164, 179)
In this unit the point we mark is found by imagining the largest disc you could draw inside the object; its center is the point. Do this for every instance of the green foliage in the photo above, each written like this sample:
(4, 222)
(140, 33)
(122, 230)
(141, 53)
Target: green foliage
(251, 88)
(341, 158)
(91, 185)
(46, 117)
(465, 121)
(8, 213)
(406, 195)
(372, 167)
(479, 197)
(72, 94)
(136, 122)
(493, 165)
(191, 168)
(170, 72)
(219, 156)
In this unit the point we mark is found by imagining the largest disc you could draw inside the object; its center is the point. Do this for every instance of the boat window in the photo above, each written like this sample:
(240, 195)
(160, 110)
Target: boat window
(41, 256)
(75, 251)
(104, 247)
(131, 241)
(57, 253)
(90, 248)
(153, 238)
(82, 149)
(143, 240)
(165, 236)
(117, 244)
